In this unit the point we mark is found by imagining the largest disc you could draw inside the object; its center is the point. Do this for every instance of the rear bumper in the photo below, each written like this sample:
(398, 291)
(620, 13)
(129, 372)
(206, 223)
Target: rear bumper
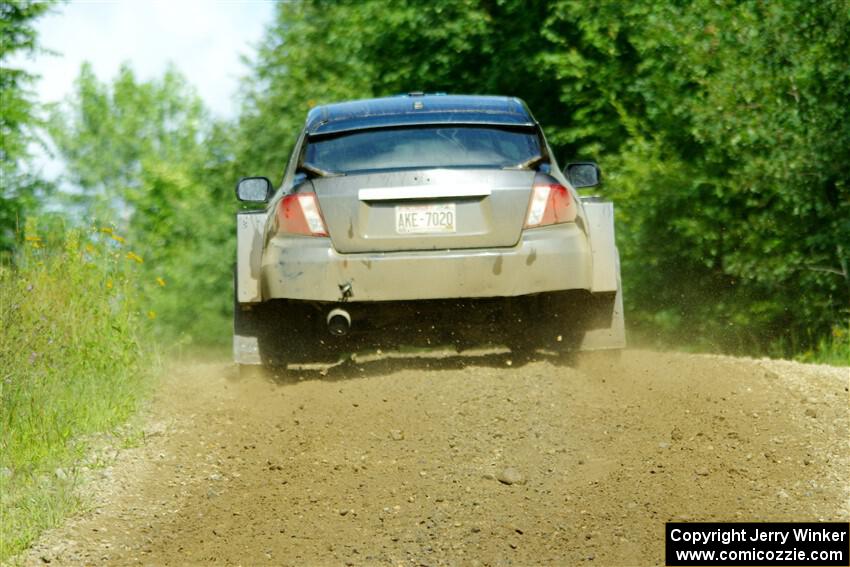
(545, 259)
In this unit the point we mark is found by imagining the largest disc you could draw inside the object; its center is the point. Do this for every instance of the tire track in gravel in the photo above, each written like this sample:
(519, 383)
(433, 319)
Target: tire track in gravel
(396, 461)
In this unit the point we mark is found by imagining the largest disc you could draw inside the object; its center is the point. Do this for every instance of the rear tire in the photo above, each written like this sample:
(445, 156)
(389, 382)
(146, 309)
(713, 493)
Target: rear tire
(563, 325)
(523, 346)
(285, 334)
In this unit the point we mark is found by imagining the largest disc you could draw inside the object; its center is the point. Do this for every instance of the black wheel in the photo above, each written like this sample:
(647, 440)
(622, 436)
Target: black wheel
(286, 333)
(522, 344)
(562, 323)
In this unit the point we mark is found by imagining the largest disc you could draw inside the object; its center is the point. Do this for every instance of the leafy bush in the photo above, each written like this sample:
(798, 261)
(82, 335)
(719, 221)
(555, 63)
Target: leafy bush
(73, 361)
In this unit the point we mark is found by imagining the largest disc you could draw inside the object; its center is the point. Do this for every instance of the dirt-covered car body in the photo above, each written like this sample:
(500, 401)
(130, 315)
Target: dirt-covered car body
(417, 214)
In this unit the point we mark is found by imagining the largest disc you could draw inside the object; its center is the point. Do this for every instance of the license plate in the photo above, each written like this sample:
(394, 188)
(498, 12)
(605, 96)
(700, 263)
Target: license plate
(425, 219)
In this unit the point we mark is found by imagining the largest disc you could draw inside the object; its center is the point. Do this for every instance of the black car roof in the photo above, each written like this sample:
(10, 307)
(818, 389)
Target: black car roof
(418, 109)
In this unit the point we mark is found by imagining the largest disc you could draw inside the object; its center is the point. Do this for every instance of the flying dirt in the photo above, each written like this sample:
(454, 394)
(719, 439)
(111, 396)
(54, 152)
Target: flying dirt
(473, 460)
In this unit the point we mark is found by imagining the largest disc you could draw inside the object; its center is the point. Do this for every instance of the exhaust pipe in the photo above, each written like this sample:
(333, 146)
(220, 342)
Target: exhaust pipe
(339, 322)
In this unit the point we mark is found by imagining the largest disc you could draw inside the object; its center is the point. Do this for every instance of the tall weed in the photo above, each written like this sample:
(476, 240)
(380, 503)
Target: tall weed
(74, 360)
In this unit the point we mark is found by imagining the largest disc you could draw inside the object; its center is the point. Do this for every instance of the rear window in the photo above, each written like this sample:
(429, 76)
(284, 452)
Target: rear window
(422, 147)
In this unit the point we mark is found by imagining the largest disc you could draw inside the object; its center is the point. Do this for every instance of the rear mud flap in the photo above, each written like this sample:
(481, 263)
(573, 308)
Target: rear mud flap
(603, 248)
(249, 250)
(613, 334)
(246, 350)
(607, 328)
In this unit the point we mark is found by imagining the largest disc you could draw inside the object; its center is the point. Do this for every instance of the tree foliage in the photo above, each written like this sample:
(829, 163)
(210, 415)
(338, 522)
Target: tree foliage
(734, 171)
(320, 52)
(724, 128)
(18, 117)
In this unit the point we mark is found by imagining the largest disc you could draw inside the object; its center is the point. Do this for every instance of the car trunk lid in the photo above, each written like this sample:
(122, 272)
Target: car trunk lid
(429, 209)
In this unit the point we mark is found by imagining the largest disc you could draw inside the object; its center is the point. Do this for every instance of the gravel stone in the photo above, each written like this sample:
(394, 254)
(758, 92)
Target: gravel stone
(510, 476)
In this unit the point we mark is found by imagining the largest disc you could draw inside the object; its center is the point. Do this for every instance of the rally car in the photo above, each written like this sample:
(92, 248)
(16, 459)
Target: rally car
(424, 219)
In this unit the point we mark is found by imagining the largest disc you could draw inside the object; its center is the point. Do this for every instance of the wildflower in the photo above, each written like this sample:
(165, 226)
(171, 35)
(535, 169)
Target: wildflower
(118, 239)
(151, 315)
(161, 282)
(134, 257)
(106, 230)
(33, 239)
(89, 248)
(109, 284)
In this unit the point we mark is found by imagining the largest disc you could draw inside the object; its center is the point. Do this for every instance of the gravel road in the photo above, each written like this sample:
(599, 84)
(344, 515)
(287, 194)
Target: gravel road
(470, 460)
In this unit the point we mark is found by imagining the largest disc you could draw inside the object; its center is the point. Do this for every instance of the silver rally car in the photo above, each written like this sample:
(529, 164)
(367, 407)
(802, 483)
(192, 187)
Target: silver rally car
(424, 219)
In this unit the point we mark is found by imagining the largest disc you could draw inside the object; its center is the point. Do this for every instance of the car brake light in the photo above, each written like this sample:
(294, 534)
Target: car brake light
(299, 214)
(550, 203)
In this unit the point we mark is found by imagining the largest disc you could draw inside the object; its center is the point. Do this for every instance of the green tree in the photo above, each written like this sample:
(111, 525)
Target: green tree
(774, 119)
(723, 127)
(18, 118)
(319, 52)
(148, 159)
(729, 159)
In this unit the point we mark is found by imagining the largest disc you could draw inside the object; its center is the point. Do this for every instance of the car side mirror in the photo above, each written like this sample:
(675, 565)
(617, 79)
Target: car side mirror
(254, 189)
(583, 174)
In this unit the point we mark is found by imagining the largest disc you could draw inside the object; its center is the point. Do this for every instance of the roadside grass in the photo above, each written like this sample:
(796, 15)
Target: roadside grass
(74, 360)
(834, 350)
